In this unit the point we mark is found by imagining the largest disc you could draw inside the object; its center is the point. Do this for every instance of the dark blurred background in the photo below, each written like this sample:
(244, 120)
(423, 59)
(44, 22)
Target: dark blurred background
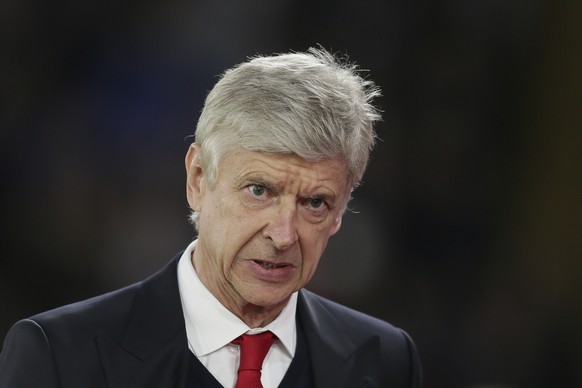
(466, 231)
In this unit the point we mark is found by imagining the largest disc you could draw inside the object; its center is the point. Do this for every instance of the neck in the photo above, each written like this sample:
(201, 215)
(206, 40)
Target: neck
(256, 316)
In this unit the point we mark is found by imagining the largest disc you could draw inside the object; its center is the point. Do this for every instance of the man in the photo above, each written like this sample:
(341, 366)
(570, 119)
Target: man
(280, 144)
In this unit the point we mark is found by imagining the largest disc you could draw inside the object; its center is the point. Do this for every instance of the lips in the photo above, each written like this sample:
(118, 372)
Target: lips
(270, 265)
(270, 271)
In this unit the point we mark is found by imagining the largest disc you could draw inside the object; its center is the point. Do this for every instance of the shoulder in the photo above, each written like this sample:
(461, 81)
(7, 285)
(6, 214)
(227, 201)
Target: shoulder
(351, 320)
(336, 323)
(66, 346)
(107, 313)
(103, 312)
(66, 336)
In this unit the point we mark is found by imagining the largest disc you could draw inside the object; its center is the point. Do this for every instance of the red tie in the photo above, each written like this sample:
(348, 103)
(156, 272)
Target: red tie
(253, 349)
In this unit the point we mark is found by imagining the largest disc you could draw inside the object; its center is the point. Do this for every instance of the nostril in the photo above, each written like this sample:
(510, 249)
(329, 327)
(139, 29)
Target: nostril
(281, 237)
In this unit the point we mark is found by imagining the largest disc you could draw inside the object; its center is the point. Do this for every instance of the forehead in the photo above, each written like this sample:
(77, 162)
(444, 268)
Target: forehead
(281, 168)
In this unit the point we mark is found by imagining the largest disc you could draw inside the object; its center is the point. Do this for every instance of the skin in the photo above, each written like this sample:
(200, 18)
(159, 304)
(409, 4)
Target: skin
(263, 226)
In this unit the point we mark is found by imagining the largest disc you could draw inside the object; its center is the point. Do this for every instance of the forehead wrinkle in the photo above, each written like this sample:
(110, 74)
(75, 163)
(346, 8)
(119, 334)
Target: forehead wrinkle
(307, 181)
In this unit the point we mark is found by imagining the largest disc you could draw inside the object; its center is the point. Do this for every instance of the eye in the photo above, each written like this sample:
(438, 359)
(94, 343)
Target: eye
(257, 190)
(316, 203)
(316, 209)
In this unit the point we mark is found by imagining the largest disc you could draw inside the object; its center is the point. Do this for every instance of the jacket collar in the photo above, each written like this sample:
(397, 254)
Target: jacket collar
(339, 360)
(157, 315)
(154, 349)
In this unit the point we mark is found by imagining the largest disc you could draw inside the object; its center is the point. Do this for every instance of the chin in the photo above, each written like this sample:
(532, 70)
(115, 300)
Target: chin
(267, 299)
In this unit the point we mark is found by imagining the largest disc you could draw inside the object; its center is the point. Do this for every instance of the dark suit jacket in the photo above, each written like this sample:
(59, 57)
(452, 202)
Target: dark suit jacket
(135, 337)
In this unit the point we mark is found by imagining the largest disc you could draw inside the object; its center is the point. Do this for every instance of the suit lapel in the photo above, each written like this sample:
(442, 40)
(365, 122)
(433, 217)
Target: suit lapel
(338, 360)
(153, 351)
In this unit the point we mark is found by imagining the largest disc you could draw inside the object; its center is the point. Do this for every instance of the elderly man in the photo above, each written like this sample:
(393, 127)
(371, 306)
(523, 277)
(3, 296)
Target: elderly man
(281, 143)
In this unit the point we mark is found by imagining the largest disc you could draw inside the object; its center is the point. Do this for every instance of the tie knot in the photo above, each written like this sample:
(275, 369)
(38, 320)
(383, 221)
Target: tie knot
(253, 349)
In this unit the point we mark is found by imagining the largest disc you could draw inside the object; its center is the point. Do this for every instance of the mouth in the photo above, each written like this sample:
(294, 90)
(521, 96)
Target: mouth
(269, 264)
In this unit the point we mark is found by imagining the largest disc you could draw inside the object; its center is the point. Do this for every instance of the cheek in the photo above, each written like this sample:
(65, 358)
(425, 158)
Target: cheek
(310, 266)
(232, 226)
(312, 248)
(229, 208)
(215, 224)
(315, 237)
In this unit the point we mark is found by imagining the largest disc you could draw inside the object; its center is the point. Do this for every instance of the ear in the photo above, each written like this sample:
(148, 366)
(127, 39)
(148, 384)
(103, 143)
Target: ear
(195, 180)
(337, 223)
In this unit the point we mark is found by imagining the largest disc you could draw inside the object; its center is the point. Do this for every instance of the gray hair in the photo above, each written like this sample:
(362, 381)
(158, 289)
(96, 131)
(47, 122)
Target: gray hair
(310, 104)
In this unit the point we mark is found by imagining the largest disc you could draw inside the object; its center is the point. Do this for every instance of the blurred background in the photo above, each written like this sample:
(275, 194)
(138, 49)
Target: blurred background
(466, 231)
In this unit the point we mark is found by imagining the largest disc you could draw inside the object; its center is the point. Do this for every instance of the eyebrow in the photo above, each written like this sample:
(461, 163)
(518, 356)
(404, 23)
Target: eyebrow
(257, 178)
(263, 179)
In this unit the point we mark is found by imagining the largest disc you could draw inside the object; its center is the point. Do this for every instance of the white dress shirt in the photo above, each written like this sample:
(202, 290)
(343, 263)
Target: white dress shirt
(210, 328)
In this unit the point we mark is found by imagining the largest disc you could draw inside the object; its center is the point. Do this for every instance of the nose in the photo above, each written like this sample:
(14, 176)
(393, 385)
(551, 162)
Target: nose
(281, 228)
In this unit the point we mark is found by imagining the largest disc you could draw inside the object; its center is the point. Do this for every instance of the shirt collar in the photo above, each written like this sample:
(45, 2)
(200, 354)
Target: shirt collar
(210, 326)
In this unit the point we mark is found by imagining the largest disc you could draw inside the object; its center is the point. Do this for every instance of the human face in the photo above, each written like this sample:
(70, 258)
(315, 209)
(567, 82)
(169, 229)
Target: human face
(263, 225)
